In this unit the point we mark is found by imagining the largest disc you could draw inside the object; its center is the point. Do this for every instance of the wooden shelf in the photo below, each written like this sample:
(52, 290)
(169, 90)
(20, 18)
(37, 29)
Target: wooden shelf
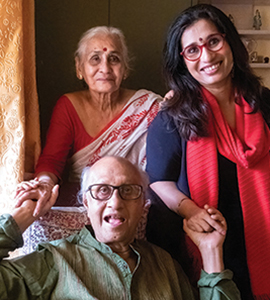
(258, 34)
(237, 2)
(260, 66)
(261, 2)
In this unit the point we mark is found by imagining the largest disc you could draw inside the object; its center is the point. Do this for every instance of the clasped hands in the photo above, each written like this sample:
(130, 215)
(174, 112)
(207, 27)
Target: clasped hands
(208, 238)
(43, 192)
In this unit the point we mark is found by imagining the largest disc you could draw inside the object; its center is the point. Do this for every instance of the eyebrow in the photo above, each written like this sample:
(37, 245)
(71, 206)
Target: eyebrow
(101, 51)
(204, 41)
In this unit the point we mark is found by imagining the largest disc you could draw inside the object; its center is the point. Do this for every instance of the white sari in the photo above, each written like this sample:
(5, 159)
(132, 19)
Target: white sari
(125, 136)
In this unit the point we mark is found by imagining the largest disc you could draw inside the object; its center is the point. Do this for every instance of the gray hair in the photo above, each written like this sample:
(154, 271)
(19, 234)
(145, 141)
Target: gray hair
(103, 30)
(83, 186)
(85, 181)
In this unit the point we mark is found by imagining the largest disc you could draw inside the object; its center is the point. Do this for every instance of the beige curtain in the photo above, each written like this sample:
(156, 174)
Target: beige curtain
(19, 112)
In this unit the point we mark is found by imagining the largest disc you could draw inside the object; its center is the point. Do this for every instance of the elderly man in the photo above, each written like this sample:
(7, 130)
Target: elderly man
(104, 261)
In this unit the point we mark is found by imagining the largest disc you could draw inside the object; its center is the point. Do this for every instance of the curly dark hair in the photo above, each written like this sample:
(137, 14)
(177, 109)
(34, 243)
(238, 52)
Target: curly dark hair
(189, 111)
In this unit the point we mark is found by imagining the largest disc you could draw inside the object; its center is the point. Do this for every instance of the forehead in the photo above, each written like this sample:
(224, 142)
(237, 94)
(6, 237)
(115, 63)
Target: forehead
(114, 173)
(99, 42)
(198, 31)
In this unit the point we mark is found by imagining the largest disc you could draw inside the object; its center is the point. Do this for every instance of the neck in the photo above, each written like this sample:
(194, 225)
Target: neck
(224, 94)
(121, 248)
(127, 254)
(226, 99)
(105, 101)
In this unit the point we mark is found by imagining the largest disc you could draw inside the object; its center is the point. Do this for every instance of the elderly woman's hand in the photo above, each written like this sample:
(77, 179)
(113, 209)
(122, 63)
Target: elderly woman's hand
(26, 186)
(24, 215)
(168, 95)
(35, 190)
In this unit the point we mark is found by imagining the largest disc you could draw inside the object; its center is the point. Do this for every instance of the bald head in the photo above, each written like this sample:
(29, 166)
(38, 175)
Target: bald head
(107, 168)
(112, 164)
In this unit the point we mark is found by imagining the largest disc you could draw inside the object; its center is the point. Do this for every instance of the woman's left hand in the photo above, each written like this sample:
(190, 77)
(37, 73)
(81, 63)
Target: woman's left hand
(213, 239)
(210, 244)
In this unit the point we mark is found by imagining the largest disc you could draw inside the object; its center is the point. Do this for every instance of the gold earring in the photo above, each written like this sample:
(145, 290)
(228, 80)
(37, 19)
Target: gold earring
(80, 76)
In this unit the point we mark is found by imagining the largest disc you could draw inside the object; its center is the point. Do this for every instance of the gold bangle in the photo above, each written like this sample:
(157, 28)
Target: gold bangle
(183, 199)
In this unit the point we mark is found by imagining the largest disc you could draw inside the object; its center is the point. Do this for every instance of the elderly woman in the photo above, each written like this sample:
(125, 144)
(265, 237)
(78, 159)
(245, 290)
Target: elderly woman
(210, 145)
(102, 120)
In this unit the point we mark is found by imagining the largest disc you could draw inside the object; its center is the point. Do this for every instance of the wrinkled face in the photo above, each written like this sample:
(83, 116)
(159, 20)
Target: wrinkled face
(102, 65)
(212, 69)
(114, 220)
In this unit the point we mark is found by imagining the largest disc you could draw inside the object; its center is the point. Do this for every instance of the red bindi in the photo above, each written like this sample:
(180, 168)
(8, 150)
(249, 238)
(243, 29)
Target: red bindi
(105, 49)
(200, 39)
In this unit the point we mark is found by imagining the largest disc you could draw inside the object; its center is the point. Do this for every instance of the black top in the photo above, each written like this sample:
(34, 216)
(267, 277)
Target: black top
(166, 161)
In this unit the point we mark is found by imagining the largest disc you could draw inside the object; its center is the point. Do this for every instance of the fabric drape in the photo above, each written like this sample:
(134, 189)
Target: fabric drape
(19, 111)
(247, 146)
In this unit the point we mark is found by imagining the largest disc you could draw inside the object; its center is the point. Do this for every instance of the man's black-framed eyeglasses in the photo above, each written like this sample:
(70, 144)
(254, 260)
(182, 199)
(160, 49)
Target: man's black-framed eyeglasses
(103, 192)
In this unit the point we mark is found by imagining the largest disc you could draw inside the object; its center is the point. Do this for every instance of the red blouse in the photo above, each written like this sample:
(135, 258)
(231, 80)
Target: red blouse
(66, 136)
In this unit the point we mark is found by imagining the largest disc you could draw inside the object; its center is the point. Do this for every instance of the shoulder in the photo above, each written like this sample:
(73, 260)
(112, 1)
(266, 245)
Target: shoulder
(63, 101)
(146, 93)
(63, 243)
(71, 103)
(161, 133)
(63, 109)
(75, 95)
(75, 98)
(163, 121)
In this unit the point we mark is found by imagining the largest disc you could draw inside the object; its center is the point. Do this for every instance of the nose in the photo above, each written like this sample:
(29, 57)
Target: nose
(105, 66)
(206, 54)
(115, 201)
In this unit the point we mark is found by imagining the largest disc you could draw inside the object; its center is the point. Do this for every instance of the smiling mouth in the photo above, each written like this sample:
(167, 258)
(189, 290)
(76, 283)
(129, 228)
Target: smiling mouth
(114, 220)
(105, 79)
(211, 68)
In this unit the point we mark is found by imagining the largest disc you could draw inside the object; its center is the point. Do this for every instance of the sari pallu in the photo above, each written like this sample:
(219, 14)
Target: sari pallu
(125, 136)
(248, 147)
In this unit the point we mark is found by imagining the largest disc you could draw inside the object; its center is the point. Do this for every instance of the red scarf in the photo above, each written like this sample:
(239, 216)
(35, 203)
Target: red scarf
(248, 147)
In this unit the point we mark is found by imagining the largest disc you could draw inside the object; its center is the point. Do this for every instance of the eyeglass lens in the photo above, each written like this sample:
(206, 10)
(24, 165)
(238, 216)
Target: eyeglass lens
(214, 43)
(105, 191)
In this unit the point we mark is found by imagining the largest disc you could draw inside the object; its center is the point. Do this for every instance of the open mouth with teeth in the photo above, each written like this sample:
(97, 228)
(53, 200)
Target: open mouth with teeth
(212, 68)
(114, 220)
